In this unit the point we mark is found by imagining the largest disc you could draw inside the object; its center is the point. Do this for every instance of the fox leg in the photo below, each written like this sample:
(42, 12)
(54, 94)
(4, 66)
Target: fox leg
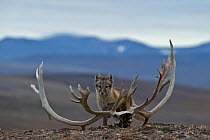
(145, 121)
(105, 119)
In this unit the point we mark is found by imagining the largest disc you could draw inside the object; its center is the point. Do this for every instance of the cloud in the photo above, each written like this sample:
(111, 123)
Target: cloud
(153, 22)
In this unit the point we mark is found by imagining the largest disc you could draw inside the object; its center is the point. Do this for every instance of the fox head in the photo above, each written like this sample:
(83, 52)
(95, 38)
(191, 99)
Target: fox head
(103, 85)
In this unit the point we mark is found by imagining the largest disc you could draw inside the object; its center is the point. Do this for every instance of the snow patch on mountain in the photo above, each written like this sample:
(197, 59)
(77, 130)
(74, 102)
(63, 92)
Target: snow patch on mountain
(121, 49)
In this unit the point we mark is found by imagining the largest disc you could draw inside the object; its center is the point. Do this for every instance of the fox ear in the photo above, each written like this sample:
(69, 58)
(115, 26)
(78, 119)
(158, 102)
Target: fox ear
(111, 78)
(97, 76)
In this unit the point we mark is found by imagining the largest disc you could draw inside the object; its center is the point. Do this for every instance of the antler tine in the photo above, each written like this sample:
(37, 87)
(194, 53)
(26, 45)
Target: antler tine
(131, 91)
(86, 92)
(134, 81)
(172, 82)
(37, 73)
(133, 87)
(75, 101)
(128, 98)
(148, 114)
(166, 66)
(155, 91)
(164, 83)
(78, 99)
(122, 95)
(73, 93)
(83, 100)
(169, 63)
(140, 107)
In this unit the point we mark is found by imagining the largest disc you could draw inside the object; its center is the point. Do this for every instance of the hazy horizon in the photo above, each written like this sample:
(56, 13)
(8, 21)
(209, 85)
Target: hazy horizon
(106, 39)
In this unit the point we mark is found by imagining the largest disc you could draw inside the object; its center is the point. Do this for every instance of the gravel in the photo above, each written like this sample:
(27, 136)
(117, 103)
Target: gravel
(156, 131)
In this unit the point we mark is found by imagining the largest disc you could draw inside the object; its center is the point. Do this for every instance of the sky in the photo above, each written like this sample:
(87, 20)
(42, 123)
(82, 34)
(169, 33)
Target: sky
(186, 22)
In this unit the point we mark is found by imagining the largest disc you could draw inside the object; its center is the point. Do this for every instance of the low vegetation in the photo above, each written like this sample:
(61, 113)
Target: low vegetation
(149, 131)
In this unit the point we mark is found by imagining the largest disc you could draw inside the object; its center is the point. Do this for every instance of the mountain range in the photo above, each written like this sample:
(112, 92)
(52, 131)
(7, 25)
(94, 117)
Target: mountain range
(70, 45)
(64, 53)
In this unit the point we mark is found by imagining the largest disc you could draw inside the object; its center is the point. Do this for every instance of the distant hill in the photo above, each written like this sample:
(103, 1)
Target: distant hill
(63, 44)
(69, 53)
(197, 49)
(75, 45)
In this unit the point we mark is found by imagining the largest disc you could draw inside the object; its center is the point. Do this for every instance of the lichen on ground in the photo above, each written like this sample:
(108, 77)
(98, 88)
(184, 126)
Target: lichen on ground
(149, 131)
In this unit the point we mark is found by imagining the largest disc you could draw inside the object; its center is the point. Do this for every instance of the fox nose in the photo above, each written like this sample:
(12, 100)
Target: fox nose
(102, 93)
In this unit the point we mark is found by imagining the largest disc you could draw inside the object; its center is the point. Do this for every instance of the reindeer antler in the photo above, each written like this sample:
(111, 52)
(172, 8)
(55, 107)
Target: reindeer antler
(81, 100)
(136, 110)
(162, 81)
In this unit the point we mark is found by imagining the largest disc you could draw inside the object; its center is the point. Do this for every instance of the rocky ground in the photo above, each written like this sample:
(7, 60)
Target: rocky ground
(150, 131)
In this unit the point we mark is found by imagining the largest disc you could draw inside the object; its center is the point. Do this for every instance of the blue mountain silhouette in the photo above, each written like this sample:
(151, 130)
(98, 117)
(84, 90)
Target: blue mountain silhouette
(65, 53)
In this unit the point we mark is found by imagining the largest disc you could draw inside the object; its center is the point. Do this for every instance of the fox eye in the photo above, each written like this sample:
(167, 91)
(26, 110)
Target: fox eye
(99, 86)
(106, 86)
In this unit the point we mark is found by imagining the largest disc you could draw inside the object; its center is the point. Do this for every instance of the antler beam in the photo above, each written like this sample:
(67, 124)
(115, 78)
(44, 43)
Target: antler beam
(162, 81)
(41, 92)
(81, 100)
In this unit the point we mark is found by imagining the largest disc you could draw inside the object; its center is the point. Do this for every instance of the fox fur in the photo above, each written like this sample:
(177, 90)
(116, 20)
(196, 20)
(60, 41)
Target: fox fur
(107, 94)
